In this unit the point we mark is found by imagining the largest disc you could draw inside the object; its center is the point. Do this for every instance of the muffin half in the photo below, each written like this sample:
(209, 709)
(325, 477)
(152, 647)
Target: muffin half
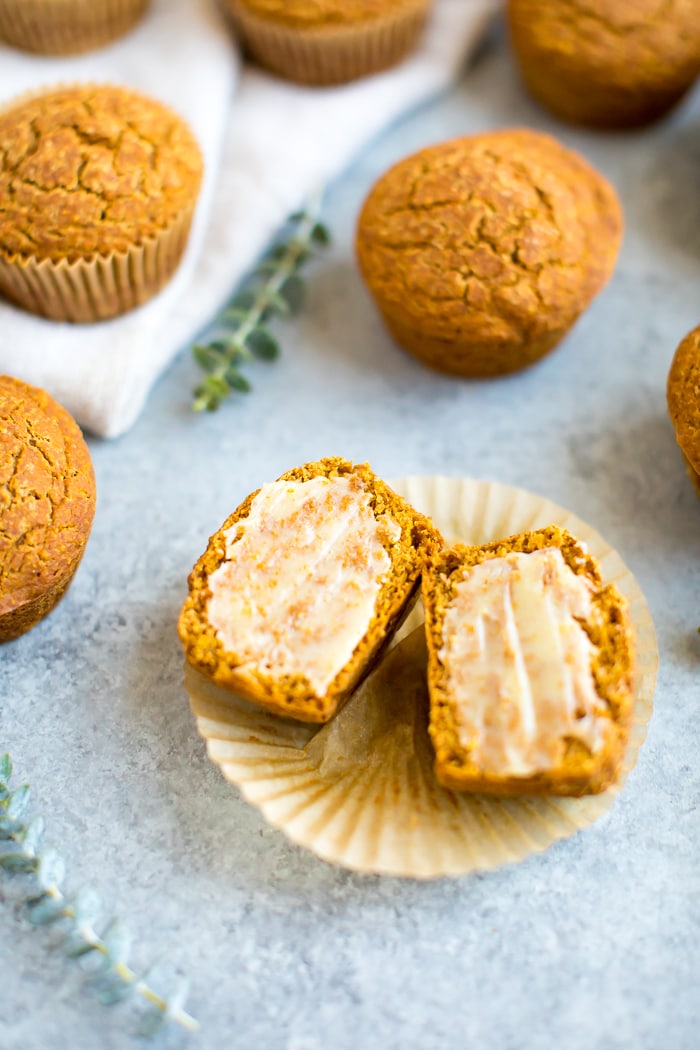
(530, 671)
(303, 586)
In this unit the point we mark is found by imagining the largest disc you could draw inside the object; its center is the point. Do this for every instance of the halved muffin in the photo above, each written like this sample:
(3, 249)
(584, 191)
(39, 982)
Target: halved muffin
(302, 587)
(531, 666)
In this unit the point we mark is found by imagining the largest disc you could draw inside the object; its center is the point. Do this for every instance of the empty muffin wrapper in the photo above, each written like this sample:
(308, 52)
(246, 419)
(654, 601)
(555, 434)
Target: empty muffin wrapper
(361, 792)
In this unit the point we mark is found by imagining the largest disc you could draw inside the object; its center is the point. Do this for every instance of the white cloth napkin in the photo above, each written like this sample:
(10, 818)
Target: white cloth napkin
(266, 145)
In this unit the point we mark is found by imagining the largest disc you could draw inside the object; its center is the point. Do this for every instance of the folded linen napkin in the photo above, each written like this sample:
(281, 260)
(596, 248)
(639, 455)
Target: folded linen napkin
(266, 145)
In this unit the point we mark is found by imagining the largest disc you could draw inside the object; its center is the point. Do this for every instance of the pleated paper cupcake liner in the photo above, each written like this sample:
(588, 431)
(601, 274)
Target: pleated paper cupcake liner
(66, 27)
(332, 55)
(361, 792)
(100, 287)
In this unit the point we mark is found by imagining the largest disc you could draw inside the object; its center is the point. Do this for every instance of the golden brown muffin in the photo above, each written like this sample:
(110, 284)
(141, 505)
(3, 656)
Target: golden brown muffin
(328, 41)
(98, 185)
(66, 27)
(303, 586)
(47, 503)
(607, 63)
(530, 667)
(683, 396)
(482, 252)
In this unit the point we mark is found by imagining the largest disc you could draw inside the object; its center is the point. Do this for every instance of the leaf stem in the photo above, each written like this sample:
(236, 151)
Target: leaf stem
(241, 325)
(15, 831)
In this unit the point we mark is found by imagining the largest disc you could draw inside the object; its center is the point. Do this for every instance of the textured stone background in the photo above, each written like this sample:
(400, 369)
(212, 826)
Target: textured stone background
(596, 943)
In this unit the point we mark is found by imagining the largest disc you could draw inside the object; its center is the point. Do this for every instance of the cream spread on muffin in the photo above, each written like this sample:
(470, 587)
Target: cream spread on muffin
(302, 572)
(519, 663)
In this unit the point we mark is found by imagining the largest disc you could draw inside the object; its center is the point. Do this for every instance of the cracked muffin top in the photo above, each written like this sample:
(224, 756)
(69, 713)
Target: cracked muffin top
(304, 14)
(47, 493)
(683, 393)
(91, 170)
(502, 237)
(607, 62)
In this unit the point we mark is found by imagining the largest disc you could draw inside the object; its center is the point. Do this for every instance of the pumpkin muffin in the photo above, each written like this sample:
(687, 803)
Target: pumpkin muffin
(47, 503)
(321, 42)
(683, 395)
(530, 668)
(482, 252)
(98, 186)
(303, 586)
(66, 27)
(607, 63)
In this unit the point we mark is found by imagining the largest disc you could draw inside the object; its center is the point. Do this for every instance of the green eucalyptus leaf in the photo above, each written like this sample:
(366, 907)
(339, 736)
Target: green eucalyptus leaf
(44, 910)
(277, 253)
(10, 829)
(76, 944)
(266, 267)
(243, 301)
(18, 802)
(117, 940)
(234, 317)
(263, 345)
(86, 906)
(237, 381)
(176, 999)
(215, 386)
(321, 235)
(110, 988)
(51, 869)
(151, 1022)
(277, 305)
(5, 769)
(31, 837)
(17, 863)
(207, 357)
(293, 293)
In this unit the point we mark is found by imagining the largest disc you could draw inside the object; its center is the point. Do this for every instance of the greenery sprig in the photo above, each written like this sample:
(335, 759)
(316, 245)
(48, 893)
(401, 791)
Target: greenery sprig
(274, 289)
(22, 852)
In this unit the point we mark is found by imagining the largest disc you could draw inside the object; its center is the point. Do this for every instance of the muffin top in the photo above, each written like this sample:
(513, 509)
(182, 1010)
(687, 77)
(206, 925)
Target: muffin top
(683, 393)
(93, 169)
(634, 41)
(306, 14)
(502, 236)
(47, 493)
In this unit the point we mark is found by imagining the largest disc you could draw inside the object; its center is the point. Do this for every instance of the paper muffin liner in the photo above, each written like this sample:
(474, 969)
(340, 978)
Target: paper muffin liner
(333, 54)
(360, 791)
(98, 287)
(66, 27)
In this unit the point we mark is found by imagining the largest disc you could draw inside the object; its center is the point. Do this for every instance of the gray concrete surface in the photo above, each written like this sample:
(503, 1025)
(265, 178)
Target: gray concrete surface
(594, 944)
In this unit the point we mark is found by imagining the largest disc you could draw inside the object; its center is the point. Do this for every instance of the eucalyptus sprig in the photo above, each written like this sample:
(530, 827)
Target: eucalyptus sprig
(22, 853)
(275, 288)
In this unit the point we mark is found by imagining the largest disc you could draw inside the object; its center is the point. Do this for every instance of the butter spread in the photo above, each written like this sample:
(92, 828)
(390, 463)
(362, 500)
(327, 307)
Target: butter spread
(298, 586)
(518, 663)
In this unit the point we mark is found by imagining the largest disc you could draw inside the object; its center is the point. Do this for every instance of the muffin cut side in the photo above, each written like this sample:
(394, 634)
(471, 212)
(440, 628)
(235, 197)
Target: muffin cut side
(303, 586)
(531, 665)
